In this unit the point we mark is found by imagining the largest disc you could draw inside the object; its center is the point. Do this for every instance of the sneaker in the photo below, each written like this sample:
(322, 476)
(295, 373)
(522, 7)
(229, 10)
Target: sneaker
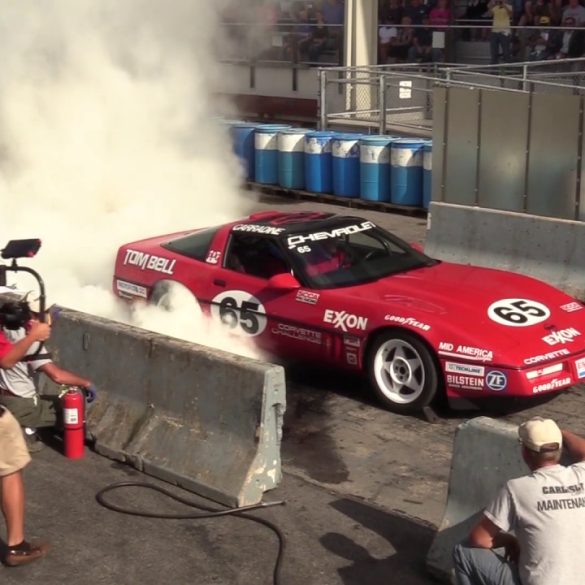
(25, 553)
(33, 443)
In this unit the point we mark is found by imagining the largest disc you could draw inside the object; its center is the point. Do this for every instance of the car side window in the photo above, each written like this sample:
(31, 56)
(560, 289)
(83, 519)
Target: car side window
(194, 245)
(256, 256)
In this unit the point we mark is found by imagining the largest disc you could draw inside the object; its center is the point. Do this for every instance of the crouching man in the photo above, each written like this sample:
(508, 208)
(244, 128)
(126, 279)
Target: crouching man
(538, 519)
(19, 384)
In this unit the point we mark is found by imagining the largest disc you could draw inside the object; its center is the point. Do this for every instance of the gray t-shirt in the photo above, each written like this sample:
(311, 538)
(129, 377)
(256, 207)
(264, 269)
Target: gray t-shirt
(546, 511)
(21, 378)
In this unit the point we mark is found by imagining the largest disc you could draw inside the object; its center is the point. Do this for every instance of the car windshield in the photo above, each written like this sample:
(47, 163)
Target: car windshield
(350, 253)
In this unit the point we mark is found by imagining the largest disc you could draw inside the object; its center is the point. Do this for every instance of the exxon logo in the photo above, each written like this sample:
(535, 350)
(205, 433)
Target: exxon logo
(562, 336)
(343, 320)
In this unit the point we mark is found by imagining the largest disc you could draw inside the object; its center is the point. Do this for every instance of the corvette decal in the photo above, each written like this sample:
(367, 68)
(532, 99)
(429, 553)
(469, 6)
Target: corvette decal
(518, 312)
(298, 333)
(546, 356)
(149, 262)
(240, 311)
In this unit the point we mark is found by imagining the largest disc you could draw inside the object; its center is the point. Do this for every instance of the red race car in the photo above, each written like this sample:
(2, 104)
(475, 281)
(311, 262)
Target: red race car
(340, 290)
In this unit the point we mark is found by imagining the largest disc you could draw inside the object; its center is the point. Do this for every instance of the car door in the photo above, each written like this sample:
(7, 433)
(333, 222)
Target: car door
(286, 321)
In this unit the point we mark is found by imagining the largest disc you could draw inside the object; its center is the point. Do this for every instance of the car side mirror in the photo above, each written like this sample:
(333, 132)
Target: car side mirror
(283, 281)
(418, 247)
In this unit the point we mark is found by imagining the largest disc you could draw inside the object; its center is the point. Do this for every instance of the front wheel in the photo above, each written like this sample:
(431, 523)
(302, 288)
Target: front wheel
(402, 371)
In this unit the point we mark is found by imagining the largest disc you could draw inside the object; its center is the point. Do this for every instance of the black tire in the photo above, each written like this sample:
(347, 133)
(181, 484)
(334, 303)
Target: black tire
(411, 360)
(170, 295)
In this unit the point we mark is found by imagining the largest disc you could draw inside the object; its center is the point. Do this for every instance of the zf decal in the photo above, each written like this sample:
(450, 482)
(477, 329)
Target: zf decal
(518, 312)
(496, 380)
(240, 311)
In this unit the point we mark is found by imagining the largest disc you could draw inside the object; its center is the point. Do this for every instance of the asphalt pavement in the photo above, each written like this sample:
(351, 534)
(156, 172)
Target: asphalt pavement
(330, 539)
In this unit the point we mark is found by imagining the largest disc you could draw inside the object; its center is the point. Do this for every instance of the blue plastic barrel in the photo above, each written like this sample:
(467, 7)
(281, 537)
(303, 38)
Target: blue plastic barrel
(375, 167)
(406, 160)
(427, 173)
(266, 153)
(291, 158)
(345, 151)
(242, 134)
(318, 163)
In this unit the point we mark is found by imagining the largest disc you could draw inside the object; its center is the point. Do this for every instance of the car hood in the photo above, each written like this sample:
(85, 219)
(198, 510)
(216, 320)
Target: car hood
(454, 299)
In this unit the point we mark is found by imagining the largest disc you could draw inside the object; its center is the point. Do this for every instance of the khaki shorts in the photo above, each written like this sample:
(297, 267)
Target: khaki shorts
(13, 452)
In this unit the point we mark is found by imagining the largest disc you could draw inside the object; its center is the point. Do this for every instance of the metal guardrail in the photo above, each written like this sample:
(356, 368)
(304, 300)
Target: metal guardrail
(399, 97)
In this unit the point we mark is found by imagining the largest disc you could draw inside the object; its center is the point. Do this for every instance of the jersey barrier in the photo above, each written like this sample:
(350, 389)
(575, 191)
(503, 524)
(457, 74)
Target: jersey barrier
(206, 420)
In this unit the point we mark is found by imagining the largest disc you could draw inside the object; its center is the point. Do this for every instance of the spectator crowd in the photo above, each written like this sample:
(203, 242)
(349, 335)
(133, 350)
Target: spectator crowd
(311, 31)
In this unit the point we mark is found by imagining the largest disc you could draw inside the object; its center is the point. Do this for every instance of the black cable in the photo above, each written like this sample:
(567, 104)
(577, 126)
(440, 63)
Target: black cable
(209, 513)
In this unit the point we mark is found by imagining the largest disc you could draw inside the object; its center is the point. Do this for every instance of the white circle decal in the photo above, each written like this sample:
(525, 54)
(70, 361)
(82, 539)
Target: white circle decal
(518, 312)
(240, 311)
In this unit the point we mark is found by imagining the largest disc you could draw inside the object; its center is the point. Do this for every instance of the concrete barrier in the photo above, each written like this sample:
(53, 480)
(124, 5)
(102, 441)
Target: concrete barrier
(552, 250)
(206, 420)
(486, 454)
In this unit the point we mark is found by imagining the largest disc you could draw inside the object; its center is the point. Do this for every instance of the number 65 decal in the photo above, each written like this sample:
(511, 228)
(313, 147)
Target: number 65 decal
(240, 311)
(518, 312)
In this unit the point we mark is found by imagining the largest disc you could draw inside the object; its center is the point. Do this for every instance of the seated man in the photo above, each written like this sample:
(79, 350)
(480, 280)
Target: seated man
(18, 384)
(325, 256)
(545, 510)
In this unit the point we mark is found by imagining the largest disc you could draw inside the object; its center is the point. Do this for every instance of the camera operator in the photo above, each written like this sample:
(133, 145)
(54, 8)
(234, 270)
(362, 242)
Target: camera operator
(18, 384)
(14, 457)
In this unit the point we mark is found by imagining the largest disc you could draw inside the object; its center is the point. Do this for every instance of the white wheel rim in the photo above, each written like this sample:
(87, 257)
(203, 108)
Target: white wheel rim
(399, 371)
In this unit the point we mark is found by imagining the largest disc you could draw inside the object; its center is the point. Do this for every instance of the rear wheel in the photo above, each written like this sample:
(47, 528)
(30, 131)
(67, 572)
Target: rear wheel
(172, 296)
(402, 371)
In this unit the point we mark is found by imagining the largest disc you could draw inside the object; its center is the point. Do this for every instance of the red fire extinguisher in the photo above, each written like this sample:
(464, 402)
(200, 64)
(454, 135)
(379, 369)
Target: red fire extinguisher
(74, 423)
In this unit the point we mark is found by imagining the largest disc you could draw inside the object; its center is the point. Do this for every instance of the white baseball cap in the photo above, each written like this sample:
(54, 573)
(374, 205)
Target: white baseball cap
(540, 435)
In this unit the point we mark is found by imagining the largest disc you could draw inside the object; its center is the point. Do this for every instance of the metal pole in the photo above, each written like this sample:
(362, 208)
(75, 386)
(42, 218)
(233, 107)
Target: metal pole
(445, 144)
(478, 146)
(579, 163)
(322, 99)
(527, 154)
(382, 104)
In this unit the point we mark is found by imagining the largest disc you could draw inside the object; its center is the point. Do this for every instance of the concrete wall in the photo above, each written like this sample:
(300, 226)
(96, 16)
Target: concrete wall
(552, 250)
(198, 417)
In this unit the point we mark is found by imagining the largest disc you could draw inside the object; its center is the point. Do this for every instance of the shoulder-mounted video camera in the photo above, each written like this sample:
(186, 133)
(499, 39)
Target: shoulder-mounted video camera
(15, 314)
